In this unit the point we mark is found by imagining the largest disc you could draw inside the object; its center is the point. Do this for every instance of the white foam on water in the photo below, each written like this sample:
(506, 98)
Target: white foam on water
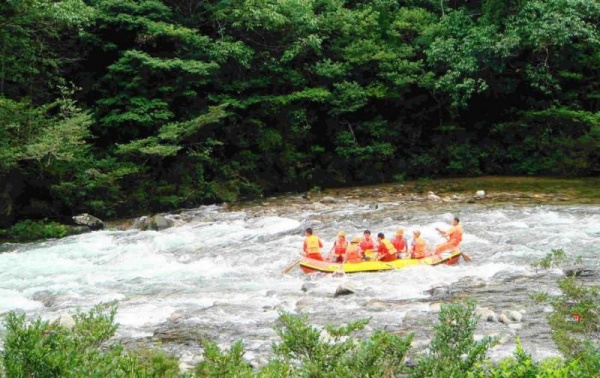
(12, 300)
(227, 265)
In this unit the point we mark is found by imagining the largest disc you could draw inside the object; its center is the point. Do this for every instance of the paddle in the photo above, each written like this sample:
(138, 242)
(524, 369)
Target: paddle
(291, 266)
(466, 257)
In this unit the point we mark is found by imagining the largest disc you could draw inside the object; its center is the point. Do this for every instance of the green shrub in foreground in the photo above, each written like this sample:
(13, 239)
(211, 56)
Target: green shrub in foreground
(47, 349)
(453, 350)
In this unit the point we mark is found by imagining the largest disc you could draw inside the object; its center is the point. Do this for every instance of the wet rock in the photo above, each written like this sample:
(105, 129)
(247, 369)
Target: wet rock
(438, 291)
(491, 316)
(67, 321)
(503, 319)
(91, 221)
(155, 223)
(304, 303)
(376, 305)
(486, 314)
(480, 194)
(431, 196)
(182, 333)
(344, 289)
(306, 196)
(176, 316)
(328, 199)
(580, 272)
(257, 363)
(515, 316)
(47, 298)
(318, 206)
(271, 293)
(500, 338)
(308, 285)
(160, 223)
(77, 230)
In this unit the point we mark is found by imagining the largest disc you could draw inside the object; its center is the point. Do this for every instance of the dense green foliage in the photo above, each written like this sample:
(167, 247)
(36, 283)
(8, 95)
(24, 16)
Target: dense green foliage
(114, 107)
(29, 230)
(44, 349)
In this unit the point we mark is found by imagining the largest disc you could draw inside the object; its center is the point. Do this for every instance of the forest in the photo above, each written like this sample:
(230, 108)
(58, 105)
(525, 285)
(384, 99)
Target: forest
(118, 107)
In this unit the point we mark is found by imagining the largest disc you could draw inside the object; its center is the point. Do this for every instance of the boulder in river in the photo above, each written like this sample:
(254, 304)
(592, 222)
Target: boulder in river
(77, 230)
(155, 223)
(344, 289)
(503, 319)
(91, 221)
(438, 291)
(304, 303)
(491, 316)
(431, 196)
(515, 326)
(328, 199)
(45, 296)
(515, 316)
(182, 333)
(480, 194)
(308, 285)
(67, 321)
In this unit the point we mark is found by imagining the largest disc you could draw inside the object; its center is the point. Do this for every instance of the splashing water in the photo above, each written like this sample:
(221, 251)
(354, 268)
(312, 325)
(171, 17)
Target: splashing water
(222, 269)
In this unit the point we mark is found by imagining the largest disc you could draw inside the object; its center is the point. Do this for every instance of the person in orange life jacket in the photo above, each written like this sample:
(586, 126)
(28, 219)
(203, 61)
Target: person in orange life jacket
(367, 245)
(339, 247)
(453, 235)
(353, 253)
(399, 242)
(312, 246)
(385, 251)
(417, 245)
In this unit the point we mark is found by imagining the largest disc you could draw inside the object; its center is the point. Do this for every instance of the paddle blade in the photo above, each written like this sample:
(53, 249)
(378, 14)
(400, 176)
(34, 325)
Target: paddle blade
(291, 266)
(466, 257)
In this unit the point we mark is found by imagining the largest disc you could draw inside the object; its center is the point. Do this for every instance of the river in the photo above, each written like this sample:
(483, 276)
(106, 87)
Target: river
(217, 274)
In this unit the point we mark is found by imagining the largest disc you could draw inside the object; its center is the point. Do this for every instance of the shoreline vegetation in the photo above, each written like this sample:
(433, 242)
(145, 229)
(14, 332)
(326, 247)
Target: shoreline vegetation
(114, 108)
(81, 345)
(498, 190)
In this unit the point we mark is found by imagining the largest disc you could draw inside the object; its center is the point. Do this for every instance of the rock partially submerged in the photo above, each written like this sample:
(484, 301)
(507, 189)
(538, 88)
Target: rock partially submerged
(88, 220)
(344, 289)
(156, 222)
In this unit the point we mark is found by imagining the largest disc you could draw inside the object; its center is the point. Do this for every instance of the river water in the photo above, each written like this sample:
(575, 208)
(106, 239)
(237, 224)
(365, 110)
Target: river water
(218, 274)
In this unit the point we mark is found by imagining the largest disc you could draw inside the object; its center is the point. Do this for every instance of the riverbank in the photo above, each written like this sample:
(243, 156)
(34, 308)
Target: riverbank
(434, 193)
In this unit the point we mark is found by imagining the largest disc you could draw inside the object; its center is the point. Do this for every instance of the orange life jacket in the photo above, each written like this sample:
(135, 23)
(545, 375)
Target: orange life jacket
(418, 250)
(366, 244)
(399, 243)
(455, 234)
(353, 254)
(340, 248)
